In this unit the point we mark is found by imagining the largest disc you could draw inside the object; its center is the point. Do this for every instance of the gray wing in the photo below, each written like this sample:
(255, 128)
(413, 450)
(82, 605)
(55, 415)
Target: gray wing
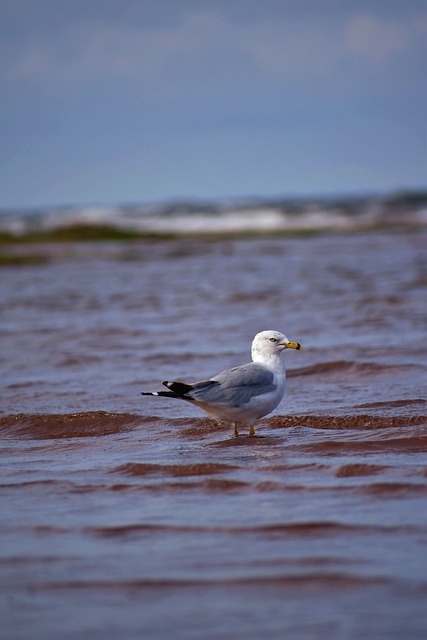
(236, 386)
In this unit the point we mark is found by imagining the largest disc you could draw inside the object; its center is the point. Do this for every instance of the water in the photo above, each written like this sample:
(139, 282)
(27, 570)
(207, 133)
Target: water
(247, 215)
(129, 516)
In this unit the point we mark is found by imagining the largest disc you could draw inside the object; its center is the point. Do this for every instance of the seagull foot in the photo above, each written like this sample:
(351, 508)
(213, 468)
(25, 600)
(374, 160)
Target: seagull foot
(251, 430)
(235, 432)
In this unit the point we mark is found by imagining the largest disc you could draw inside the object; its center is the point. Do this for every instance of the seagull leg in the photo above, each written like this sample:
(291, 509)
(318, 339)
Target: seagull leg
(251, 430)
(235, 432)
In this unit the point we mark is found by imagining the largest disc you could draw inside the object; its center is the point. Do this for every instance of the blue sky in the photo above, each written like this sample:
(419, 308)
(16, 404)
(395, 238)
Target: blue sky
(111, 101)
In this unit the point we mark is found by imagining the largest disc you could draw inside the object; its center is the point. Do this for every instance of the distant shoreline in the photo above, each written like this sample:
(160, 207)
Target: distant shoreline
(214, 219)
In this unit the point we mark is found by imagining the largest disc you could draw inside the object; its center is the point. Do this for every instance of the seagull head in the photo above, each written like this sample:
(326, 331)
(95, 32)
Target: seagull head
(268, 344)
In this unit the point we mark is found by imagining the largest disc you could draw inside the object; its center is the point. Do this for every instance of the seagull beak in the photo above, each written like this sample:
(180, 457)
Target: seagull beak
(291, 345)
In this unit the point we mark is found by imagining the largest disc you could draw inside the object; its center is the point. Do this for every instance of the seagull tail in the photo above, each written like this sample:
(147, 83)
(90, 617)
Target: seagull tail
(163, 394)
(177, 390)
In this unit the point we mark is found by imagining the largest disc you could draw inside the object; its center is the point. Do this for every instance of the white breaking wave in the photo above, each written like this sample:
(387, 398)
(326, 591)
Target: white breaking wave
(216, 218)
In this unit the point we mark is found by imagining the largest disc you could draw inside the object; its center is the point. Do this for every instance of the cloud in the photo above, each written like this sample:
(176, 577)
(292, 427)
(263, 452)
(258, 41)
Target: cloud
(206, 48)
(33, 63)
(318, 50)
(373, 40)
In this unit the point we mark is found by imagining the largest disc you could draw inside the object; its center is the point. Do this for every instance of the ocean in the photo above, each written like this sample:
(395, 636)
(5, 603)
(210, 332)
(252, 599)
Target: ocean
(131, 517)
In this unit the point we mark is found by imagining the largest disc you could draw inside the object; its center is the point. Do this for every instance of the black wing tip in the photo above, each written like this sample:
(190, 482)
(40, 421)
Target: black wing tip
(176, 390)
(179, 388)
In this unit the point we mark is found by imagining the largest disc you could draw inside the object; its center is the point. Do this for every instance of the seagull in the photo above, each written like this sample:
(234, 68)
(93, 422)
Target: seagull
(243, 394)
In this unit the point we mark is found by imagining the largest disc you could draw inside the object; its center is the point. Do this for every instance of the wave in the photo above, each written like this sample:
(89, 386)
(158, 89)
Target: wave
(303, 579)
(216, 217)
(413, 443)
(407, 402)
(344, 369)
(73, 425)
(309, 528)
(379, 488)
(100, 423)
(354, 421)
(358, 469)
(298, 528)
(176, 470)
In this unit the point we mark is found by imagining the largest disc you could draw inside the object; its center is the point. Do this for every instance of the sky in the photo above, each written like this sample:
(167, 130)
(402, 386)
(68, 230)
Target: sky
(127, 101)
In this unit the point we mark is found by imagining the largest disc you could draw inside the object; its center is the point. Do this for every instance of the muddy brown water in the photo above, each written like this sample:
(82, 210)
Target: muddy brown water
(137, 517)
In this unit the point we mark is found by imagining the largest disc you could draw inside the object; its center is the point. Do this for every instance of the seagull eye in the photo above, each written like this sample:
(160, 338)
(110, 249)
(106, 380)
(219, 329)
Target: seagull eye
(273, 339)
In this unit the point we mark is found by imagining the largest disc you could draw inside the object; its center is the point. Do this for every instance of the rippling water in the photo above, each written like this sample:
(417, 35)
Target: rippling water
(132, 517)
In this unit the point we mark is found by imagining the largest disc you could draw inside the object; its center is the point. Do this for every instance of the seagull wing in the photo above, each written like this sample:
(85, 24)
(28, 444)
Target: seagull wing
(234, 387)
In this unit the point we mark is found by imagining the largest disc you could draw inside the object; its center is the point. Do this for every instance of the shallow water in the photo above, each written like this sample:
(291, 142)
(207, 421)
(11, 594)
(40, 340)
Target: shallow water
(128, 516)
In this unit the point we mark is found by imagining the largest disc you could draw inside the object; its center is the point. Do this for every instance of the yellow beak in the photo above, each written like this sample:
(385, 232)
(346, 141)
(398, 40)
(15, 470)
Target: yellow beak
(292, 345)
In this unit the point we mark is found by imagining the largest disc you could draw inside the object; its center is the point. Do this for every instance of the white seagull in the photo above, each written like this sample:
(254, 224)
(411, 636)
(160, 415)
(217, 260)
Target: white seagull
(243, 394)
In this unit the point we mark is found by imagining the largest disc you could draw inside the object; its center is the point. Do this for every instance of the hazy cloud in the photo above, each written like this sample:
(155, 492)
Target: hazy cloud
(279, 49)
(143, 98)
(376, 41)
